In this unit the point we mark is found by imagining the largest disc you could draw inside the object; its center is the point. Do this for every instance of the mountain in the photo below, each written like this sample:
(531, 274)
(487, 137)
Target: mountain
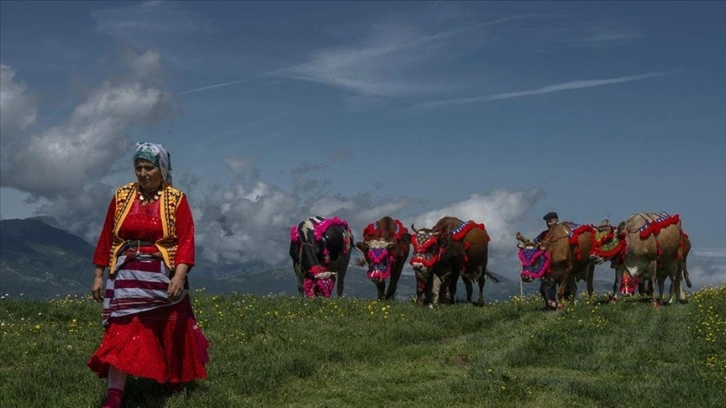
(40, 260)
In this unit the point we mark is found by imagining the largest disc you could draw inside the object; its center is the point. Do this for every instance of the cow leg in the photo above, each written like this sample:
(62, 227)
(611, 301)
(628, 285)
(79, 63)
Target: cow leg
(590, 278)
(564, 282)
(572, 289)
(481, 281)
(393, 283)
(381, 289)
(340, 278)
(469, 288)
(617, 283)
(652, 277)
(435, 289)
(420, 291)
(300, 278)
(450, 279)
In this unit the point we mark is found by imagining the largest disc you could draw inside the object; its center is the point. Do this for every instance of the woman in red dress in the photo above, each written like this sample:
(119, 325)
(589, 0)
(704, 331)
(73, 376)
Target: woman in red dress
(147, 243)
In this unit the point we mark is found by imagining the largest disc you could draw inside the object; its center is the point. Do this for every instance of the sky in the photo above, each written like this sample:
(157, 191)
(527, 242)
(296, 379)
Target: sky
(496, 112)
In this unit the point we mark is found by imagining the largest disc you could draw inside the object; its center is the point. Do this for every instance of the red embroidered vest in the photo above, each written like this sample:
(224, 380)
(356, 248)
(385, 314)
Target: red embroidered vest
(168, 201)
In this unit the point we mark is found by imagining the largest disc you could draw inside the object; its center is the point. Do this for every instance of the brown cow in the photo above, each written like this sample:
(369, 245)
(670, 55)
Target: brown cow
(652, 247)
(450, 249)
(566, 248)
(385, 247)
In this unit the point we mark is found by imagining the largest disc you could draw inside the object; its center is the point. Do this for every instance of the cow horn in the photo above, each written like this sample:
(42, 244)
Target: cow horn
(414, 229)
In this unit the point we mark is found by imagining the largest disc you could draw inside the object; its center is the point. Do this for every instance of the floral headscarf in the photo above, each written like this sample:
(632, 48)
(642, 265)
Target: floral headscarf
(155, 153)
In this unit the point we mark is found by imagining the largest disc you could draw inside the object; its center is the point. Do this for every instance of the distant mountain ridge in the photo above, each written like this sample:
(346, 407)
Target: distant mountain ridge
(40, 261)
(43, 261)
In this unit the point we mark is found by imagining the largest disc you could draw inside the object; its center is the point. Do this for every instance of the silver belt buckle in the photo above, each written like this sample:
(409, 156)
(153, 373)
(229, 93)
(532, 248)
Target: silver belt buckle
(143, 257)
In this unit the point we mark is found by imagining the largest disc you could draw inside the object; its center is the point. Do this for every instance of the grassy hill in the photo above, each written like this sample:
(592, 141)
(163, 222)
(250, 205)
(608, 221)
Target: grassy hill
(282, 351)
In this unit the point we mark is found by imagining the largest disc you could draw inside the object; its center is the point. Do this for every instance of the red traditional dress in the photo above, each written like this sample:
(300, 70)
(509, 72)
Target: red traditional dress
(146, 335)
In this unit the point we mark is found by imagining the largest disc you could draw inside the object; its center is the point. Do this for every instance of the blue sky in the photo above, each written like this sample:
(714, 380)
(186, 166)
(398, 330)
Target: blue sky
(274, 111)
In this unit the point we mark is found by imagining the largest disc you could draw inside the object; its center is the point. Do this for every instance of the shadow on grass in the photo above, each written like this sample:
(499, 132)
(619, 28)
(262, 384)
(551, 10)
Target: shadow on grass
(142, 392)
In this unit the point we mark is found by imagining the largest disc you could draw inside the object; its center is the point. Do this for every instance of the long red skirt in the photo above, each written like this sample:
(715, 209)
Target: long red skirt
(163, 344)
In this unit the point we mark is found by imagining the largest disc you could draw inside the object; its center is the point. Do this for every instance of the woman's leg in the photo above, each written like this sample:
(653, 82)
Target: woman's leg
(115, 390)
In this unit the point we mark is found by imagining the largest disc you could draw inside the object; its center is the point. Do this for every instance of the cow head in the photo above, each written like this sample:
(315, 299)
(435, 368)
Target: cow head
(313, 257)
(535, 262)
(428, 247)
(609, 243)
(379, 255)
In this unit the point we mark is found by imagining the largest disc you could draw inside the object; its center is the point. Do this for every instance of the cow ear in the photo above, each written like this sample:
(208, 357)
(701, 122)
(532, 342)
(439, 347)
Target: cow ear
(391, 246)
(362, 246)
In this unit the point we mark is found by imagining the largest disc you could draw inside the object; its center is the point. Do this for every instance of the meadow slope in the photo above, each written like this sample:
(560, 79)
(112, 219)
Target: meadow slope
(279, 351)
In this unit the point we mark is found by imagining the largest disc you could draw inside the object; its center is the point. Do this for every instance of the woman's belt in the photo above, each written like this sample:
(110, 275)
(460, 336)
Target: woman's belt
(132, 250)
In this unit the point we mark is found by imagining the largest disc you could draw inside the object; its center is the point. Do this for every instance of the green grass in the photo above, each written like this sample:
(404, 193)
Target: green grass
(289, 352)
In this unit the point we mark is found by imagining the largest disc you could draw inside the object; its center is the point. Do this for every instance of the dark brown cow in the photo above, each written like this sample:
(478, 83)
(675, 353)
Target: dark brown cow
(450, 249)
(565, 250)
(385, 248)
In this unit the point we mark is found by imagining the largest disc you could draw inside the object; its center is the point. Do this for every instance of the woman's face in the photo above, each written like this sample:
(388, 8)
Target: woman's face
(148, 174)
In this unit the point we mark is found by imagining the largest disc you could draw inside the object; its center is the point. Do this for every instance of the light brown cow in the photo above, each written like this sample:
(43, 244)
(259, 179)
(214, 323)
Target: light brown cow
(652, 248)
(654, 236)
(567, 246)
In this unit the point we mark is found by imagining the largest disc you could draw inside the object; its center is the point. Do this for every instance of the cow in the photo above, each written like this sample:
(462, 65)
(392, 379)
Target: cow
(320, 249)
(450, 249)
(649, 247)
(385, 247)
(560, 260)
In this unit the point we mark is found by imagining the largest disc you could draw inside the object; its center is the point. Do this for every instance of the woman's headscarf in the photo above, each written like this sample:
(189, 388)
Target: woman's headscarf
(155, 153)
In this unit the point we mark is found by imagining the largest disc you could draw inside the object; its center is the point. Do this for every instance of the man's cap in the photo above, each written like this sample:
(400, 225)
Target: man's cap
(550, 215)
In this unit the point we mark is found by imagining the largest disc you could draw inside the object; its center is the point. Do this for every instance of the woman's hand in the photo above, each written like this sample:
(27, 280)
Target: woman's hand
(176, 285)
(97, 285)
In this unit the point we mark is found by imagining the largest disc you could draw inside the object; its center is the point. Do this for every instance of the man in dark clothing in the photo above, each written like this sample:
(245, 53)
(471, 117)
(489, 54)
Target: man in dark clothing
(551, 220)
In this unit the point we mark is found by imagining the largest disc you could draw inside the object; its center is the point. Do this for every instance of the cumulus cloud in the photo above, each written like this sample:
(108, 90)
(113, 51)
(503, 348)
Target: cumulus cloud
(17, 107)
(77, 151)
(500, 211)
(704, 274)
(66, 162)
(251, 219)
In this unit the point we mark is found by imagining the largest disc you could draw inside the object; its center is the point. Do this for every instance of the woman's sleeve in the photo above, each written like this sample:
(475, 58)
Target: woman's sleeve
(102, 255)
(184, 233)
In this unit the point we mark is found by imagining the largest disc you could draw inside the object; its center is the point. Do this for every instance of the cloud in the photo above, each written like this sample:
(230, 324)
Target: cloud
(706, 274)
(148, 21)
(379, 67)
(250, 219)
(605, 31)
(710, 252)
(93, 137)
(563, 86)
(17, 107)
(386, 65)
(65, 163)
(500, 211)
